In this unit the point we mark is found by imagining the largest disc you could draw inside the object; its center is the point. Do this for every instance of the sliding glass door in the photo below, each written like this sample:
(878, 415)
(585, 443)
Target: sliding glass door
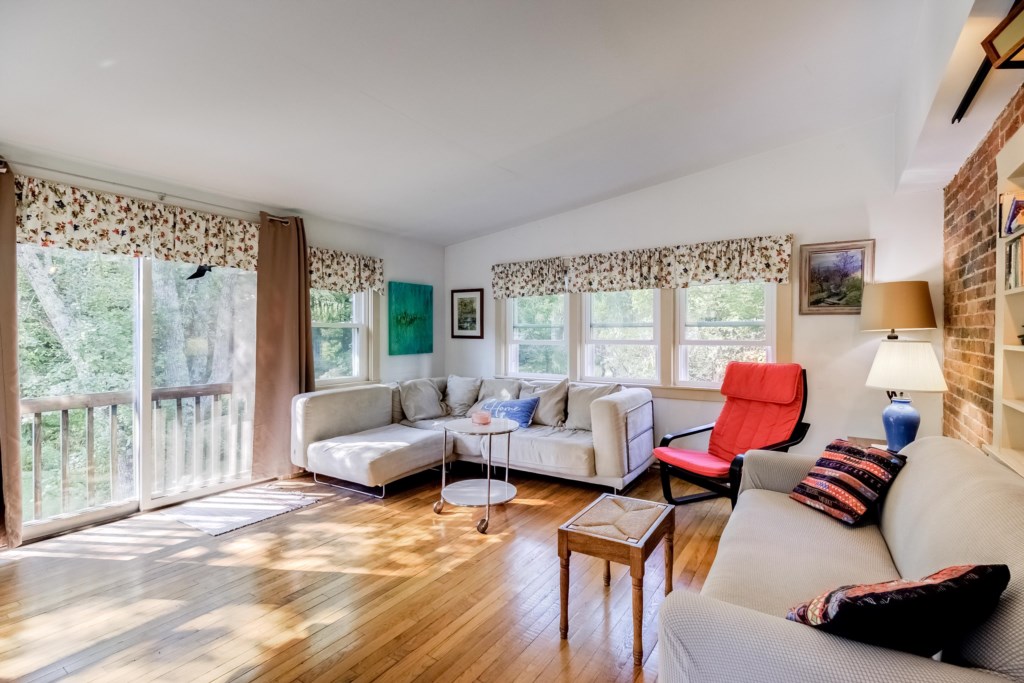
(136, 383)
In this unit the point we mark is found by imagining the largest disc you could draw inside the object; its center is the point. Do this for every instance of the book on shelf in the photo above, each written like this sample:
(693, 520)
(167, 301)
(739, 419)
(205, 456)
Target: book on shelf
(1011, 213)
(1014, 263)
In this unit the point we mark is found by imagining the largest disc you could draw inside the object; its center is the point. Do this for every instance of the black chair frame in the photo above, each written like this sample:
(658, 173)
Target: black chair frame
(729, 485)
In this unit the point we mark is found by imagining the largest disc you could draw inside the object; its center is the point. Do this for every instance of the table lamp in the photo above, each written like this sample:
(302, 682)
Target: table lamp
(904, 365)
(901, 364)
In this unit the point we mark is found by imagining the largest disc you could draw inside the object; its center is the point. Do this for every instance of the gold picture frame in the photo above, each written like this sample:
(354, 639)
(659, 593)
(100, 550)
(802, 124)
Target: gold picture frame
(833, 274)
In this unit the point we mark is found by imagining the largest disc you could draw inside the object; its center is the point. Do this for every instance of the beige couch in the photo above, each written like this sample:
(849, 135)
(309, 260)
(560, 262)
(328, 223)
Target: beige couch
(360, 434)
(950, 505)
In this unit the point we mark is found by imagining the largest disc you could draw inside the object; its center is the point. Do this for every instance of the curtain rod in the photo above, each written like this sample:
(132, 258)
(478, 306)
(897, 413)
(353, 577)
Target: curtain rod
(6, 163)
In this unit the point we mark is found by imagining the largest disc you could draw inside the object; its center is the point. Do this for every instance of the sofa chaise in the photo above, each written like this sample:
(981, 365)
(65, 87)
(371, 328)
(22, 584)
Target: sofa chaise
(363, 435)
(950, 505)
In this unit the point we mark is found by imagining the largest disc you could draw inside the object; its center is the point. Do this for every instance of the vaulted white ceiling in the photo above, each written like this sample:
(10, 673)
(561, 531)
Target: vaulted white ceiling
(438, 119)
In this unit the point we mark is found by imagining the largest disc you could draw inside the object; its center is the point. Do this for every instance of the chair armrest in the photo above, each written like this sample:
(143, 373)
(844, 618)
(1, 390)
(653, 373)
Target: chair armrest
(623, 424)
(669, 438)
(320, 415)
(799, 432)
(774, 470)
(704, 640)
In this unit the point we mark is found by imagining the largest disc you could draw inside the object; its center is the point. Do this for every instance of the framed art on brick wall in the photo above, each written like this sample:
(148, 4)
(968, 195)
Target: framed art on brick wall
(832, 276)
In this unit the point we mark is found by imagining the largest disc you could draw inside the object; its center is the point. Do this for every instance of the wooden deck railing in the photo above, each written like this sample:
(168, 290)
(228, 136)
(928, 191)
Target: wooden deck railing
(218, 448)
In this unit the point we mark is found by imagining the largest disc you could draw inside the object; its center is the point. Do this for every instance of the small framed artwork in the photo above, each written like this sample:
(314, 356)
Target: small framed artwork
(832, 276)
(467, 313)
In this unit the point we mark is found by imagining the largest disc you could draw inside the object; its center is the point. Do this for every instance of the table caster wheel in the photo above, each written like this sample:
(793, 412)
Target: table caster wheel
(481, 526)
(438, 506)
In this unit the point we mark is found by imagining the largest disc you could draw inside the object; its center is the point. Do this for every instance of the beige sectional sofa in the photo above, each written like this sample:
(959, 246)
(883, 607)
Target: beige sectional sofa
(363, 435)
(950, 505)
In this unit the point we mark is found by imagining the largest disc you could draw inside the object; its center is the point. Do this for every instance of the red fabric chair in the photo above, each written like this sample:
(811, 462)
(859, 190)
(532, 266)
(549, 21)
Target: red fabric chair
(764, 410)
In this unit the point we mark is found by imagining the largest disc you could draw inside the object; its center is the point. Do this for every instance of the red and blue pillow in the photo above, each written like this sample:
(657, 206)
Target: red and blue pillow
(848, 482)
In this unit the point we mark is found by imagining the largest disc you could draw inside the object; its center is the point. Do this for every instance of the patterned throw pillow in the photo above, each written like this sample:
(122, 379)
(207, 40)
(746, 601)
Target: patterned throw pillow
(921, 617)
(521, 410)
(849, 482)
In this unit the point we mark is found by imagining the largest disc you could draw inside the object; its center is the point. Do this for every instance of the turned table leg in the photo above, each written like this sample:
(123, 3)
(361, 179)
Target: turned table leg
(607, 573)
(636, 571)
(669, 552)
(563, 556)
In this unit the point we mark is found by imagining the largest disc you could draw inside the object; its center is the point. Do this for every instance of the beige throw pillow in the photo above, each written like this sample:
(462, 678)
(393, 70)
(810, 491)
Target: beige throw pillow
(580, 398)
(461, 393)
(421, 400)
(500, 389)
(551, 409)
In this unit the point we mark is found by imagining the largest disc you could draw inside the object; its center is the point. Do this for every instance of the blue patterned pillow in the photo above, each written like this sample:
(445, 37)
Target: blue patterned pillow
(521, 410)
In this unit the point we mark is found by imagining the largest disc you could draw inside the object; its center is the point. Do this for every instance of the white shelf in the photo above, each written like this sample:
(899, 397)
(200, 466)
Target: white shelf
(1016, 348)
(1014, 404)
(1011, 457)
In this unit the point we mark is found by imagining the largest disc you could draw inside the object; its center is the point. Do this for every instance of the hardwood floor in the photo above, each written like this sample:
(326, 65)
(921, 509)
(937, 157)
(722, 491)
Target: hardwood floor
(349, 589)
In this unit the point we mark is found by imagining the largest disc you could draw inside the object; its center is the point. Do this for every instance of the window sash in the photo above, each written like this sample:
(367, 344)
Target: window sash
(769, 342)
(512, 344)
(360, 343)
(588, 369)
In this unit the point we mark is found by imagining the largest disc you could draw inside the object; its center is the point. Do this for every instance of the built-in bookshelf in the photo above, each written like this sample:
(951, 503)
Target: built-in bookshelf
(1008, 399)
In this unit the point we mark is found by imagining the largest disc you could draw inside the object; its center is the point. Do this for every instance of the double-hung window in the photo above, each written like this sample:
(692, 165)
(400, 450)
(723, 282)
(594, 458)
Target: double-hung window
(621, 336)
(537, 336)
(340, 334)
(719, 323)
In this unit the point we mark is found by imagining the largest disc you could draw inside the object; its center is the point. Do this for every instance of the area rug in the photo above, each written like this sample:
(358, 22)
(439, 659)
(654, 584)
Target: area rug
(232, 510)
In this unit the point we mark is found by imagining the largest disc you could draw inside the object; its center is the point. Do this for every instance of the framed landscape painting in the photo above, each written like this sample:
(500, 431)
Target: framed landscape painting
(832, 276)
(468, 313)
(410, 318)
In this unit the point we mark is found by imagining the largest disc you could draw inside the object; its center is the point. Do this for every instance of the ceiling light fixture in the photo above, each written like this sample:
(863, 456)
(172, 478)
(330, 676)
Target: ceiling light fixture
(1004, 49)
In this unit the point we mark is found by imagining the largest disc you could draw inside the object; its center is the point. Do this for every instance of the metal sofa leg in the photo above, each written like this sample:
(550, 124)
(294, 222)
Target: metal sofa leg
(346, 488)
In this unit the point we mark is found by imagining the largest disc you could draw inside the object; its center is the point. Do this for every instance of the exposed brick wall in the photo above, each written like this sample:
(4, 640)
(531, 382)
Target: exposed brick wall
(969, 277)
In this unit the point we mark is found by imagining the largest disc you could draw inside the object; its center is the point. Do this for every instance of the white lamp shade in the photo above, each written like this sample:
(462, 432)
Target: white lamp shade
(906, 365)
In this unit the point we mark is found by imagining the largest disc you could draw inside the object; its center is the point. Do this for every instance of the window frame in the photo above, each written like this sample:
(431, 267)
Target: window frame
(512, 344)
(770, 341)
(588, 343)
(361, 315)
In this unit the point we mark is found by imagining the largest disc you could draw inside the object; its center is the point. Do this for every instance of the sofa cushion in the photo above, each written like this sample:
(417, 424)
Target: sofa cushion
(579, 399)
(562, 451)
(847, 482)
(461, 393)
(501, 389)
(775, 552)
(518, 410)
(952, 505)
(551, 410)
(376, 456)
(920, 617)
(421, 400)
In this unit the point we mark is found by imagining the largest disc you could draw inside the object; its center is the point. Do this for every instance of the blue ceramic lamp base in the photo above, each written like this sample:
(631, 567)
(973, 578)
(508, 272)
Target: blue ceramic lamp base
(901, 421)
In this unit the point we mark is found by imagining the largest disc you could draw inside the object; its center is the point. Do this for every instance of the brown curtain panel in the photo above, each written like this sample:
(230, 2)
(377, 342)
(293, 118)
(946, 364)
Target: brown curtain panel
(284, 344)
(10, 419)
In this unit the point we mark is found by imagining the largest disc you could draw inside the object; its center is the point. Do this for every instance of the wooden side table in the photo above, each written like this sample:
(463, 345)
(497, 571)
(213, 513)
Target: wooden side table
(624, 530)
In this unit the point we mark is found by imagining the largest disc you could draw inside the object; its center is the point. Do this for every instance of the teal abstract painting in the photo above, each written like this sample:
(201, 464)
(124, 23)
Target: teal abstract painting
(410, 318)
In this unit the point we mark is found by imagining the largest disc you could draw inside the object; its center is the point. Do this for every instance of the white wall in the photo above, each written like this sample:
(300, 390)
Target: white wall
(836, 187)
(405, 260)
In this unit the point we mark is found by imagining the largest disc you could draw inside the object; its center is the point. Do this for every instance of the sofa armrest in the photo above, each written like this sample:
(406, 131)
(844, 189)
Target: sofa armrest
(321, 415)
(623, 425)
(774, 470)
(707, 640)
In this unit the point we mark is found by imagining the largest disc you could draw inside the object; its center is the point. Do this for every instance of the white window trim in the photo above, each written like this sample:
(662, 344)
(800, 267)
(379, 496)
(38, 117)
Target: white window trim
(361, 309)
(770, 342)
(588, 344)
(512, 344)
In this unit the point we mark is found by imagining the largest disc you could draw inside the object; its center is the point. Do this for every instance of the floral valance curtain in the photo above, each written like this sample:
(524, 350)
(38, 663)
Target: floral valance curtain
(621, 270)
(339, 271)
(751, 259)
(528, 278)
(52, 214)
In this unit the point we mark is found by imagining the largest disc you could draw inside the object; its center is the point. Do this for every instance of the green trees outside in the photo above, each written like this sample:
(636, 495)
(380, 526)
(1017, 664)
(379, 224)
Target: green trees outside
(723, 313)
(540, 318)
(76, 313)
(333, 346)
(623, 316)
